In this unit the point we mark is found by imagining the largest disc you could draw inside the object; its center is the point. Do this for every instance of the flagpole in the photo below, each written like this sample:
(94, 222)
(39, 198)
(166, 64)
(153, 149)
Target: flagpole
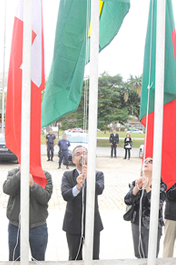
(93, 106)
(25, 131)
(3, 86)
(158, 129)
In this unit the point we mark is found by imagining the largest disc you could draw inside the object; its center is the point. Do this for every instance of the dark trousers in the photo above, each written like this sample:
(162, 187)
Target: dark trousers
(141, 248)
(74, 243)
(38, 239)
(113, 148)
(127, 150)
(64, 154)
(50, 151)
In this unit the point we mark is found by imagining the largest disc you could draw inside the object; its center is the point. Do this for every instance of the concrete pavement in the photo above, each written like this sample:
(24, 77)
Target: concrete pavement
(116, 240)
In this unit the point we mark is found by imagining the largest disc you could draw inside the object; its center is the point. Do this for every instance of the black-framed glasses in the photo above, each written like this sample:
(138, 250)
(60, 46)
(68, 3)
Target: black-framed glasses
(148, 160)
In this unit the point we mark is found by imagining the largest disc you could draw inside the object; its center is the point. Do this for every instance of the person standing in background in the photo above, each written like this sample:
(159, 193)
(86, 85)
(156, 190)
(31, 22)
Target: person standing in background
(114, 140)
(63, 150)
(50, 143)
(127, 145)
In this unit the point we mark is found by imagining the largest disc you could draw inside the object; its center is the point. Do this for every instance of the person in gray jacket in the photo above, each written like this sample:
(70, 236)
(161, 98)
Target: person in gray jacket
(39, 198)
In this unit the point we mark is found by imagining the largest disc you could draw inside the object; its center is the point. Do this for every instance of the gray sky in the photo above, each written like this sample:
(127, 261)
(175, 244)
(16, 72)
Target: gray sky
(123, 56)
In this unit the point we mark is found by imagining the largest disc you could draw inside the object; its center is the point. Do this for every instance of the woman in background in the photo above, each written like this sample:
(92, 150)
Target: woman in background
(127, 145)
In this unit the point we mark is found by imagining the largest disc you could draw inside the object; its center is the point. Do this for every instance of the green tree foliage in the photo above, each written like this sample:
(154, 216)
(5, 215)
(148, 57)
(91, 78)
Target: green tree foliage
(112, 105)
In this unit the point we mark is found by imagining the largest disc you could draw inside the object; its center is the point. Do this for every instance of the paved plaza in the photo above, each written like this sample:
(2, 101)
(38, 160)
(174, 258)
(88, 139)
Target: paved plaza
(116, 239)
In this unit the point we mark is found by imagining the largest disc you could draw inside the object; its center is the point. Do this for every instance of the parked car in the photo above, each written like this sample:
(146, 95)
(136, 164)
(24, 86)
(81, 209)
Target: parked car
(75, 138)
(5, 153)
(141, 150)
(136, 131)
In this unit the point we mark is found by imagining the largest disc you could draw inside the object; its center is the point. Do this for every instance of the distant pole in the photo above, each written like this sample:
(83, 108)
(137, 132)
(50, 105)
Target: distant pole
(158, 129)
(93, 106)
(25, 131)
(3, 79)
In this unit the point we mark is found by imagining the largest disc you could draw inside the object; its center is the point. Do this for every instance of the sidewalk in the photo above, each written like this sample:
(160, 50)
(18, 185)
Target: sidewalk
(116, 239)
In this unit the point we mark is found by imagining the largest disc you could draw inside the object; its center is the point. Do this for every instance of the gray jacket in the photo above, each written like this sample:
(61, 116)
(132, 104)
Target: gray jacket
(39, 199)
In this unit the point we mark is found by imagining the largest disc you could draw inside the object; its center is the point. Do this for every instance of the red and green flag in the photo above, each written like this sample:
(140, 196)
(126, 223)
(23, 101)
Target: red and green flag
(71, 52)
(168, 169)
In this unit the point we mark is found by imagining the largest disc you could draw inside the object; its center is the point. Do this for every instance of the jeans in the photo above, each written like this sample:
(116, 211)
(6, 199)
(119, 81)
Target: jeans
(38, 239)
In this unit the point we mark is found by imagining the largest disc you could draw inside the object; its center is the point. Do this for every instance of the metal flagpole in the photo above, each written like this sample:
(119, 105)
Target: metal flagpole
(93, 106)
(3, 86)
(25, 131)
(158, 129)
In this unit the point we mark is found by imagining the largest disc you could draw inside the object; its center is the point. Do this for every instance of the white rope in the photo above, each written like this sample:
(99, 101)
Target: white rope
(140, 245)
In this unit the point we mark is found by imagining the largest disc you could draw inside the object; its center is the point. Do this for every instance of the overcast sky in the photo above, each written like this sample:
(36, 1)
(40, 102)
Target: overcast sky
(123, 56)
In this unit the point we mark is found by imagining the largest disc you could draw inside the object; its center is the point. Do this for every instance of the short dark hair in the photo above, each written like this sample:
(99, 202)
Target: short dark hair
(78, 146)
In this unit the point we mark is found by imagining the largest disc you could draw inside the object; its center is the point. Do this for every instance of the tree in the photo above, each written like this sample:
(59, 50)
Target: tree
(112, 104)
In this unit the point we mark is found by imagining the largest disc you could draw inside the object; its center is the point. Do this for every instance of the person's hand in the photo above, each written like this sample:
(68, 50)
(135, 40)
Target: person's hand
(138, 185)
(80, 181)
(84, 171)
(31, 181)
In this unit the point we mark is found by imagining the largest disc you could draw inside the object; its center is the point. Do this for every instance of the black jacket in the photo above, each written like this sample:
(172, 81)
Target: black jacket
(135, 199)
(39, 199)
(170, 207)
(73, 213)
(127, 142)
(114, 139)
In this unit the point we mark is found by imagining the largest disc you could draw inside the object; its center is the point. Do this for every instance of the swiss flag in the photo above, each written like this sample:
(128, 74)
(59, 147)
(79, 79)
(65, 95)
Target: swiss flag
(14, 89)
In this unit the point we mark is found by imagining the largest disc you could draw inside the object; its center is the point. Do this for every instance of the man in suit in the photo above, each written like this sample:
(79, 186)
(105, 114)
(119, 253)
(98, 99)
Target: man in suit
(114, 140)
(74, 192)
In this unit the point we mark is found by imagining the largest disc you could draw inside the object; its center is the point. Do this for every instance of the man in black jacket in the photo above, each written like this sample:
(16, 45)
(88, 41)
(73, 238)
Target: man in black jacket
(74, 192)
(114, 140)
(39, 198)
(170, 223)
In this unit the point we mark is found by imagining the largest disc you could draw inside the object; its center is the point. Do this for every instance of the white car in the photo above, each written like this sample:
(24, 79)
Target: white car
(75, 138)
(136, 131)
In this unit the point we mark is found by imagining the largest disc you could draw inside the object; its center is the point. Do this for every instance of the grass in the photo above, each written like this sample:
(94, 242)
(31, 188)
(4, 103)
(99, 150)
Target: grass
(105, 142)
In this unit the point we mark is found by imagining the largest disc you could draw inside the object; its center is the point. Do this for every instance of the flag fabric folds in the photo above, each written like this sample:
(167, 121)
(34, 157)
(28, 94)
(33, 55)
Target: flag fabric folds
(71, 52)
(14, 89)
(168, 168)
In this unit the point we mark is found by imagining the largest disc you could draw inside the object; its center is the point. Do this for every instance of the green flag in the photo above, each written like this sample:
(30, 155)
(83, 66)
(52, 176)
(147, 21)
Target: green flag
(73, 32)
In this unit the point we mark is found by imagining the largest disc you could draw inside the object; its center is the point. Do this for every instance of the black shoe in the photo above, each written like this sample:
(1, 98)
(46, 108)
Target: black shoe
(52, 160)
(124, 158)
(67, 167)
(48, 159)
(59, 167)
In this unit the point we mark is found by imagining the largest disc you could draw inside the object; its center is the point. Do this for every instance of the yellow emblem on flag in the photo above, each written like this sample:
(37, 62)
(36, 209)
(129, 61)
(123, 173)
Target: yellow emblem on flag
(100, 11)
